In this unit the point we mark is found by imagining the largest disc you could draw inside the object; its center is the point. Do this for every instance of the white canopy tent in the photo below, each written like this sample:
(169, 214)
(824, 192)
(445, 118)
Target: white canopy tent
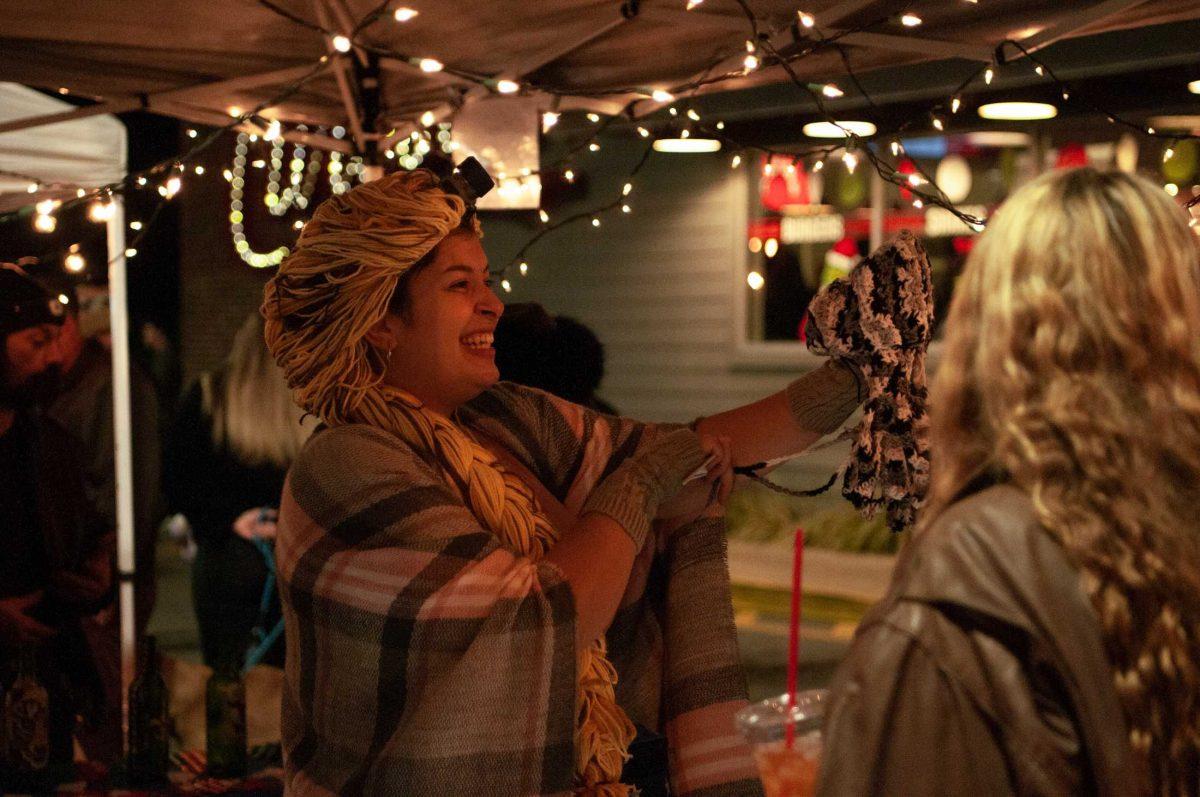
(52, 162)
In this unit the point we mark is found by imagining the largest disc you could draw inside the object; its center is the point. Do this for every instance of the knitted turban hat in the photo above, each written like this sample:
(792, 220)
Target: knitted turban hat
(339, 280)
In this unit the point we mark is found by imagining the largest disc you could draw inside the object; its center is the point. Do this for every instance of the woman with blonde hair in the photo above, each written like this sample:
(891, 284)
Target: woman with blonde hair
(1042, 633)
(236, 433)
(477, 597)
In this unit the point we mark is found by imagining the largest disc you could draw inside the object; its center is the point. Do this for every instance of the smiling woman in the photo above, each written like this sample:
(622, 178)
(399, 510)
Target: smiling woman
(486, 587)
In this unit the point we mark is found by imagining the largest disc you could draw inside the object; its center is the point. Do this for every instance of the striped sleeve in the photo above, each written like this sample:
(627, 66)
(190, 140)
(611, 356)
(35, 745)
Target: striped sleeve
(422, 657)
(569, 447)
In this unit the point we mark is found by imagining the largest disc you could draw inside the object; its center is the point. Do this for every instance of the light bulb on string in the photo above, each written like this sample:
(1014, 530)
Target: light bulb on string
(32, 188)
(430, 65)
(341, 43)
(850, 160)
(791, 168)
(673, 111)
(544, 216)
(130, 252)
(685, 133)
(1039, 70)
(918, 204)
(135, 225)
(806, 20)
(988, 74)
(896, 149)
(1066, 95)
(569, 176)
(101, 210)
(80, 193)
(910, 20)
(937, 124)
(832, 91)
(692, 4)
(191, 133)
(643, 132)
(594, 147)
(44, 222)
(720, 125)
(955, 104)
(199, 170)
(74, 262)
(818, 166)
(768, 169)
(771, 247)
(298, 224)
(625, 189)
(1168, 153)
(274, 130)
(507, 86)
(1149, 131)
(626, 209)
(404, 14)
(549, 120)
(506, 285)
(755, 280)
(735, 162)
(750, 63)
(523, 268)
(171, 187)
(595, 221)
(691, 114)
(661, 95)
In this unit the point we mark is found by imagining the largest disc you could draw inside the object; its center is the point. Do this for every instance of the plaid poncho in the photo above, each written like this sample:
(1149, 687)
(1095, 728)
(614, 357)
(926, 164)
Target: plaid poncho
(424, 658)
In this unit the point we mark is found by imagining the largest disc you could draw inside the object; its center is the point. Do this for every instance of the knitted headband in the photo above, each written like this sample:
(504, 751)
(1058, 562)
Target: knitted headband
(880, 318)
(338, 282)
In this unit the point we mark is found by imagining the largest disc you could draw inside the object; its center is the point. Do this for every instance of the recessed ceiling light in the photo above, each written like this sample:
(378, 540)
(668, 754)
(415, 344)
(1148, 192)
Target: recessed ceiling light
(838, 130)
(1018, 111)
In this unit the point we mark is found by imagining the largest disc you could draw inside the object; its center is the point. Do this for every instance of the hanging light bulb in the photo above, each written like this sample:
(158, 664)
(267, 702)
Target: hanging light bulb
(818, 166)
(508, 86)
(910, 20)
(44, 222)
(988, 74)
(1066, 95)
(695, 117)
(569, 176)
(341, 44)
(135, 225)
(918, 204)
(1040, 71)
(937, 124)
(693, 3)
(430, 65)
(549, 120)
(172, 186)
(832, 91)
(74, 262)
(626, 209)
(806, 20)
(404, 14)
(625, 189)
(544, 216)
(661, 95)
(915, 180)
(720, 125)
(506, 285)
(523, 268)
(101, 210)
(850, 160)
(771, 247)
(955, 104)
(1168, 153)
(594, 118)
(643, 132)
(32, 188)
(735, 162)
(595, 221)
(594, 147)
(755, 280)
(895, 149)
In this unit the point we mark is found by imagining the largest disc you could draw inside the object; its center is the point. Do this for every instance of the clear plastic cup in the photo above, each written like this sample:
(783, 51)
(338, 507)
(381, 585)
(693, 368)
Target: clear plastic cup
(784, 771)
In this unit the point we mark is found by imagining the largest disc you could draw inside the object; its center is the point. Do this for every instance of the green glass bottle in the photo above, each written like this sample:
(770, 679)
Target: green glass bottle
(225, 711)
(149, 719)
(26, 759)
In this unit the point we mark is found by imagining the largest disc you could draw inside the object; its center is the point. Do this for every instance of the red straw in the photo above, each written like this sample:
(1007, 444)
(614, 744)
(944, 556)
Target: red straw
(794, 635)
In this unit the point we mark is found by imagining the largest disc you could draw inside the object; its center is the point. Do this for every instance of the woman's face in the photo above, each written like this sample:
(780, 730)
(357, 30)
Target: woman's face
(443, 350)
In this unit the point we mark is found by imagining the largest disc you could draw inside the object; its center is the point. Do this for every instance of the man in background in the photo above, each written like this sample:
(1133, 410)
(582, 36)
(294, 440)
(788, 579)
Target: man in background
(83, 405)
(58, 553)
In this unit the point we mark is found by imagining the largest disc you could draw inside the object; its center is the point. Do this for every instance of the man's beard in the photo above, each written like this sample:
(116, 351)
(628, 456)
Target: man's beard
(39, 389)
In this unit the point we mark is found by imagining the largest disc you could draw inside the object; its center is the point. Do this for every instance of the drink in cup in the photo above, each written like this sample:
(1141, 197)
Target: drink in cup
(786, 771)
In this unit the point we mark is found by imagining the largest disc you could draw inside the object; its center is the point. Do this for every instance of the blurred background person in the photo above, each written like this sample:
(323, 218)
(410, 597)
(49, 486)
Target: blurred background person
(1042, 631)
(83, 405)
(553, 353)
(57, 565)
(235, 434)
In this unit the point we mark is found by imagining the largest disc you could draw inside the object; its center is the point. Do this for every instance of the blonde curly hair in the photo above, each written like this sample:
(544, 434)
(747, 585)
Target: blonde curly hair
(340, 280)
(1072, 364)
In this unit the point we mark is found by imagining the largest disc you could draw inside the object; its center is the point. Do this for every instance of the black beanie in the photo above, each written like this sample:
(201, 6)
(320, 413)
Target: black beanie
(24, 303)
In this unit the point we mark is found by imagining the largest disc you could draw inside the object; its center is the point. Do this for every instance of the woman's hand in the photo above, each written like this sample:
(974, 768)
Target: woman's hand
(713, 487)
(257, 522)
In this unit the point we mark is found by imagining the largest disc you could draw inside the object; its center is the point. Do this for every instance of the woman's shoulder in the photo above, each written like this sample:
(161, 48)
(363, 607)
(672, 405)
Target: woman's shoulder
(356, 450)
(989, 555)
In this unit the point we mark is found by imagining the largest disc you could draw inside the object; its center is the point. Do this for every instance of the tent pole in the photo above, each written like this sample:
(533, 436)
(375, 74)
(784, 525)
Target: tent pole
(123, 448)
